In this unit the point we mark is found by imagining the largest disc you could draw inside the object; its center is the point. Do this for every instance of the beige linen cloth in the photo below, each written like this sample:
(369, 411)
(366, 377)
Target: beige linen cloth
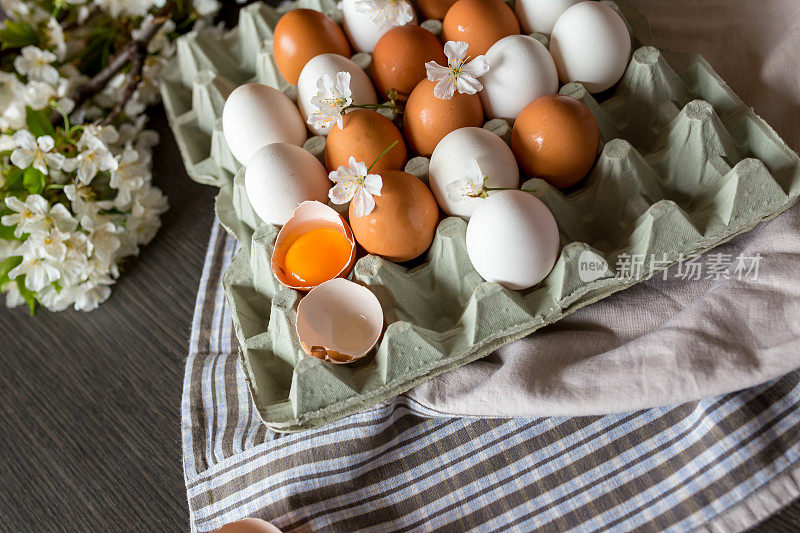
(664, 342)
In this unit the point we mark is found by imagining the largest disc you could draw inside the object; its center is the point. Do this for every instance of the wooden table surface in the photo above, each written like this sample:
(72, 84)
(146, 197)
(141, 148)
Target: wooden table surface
(90, 403)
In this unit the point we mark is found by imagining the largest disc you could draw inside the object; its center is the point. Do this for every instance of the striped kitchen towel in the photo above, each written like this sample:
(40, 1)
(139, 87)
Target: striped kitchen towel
(719, 464)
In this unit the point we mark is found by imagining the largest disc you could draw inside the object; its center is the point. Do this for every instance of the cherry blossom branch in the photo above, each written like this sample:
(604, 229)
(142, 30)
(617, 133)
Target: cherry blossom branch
(134, 53)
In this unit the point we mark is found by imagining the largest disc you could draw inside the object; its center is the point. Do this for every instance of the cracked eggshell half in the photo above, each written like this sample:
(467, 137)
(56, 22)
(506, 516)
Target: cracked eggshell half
(512, 239)
(521, 70)
(308, 217)
(361, 89)
(281, 176)
(494, 157)
(362, 31)
(339, 321)
(255, 115)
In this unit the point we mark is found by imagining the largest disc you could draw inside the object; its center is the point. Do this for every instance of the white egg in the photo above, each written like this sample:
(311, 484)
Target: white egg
(512, 239)
(541, 15)
(521, 70)
(255, 115)
(591, 45)
(362, 31)
(495, 160)
(361, 89)
(281, 176)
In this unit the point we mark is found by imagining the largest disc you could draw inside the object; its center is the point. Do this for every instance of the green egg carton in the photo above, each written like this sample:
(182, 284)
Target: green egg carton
(685, 165)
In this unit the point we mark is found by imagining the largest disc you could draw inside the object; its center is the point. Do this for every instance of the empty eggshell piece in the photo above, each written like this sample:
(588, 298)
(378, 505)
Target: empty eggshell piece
(403, 222)
(363, 31)
(428, 119)
(590, 44)
(255, 115)
(361, 89)
(398, 61)
(302, 34)
(365, 134)
(493, 156)
(541, 15)
(480, 23)
(512, 239)
(521, 70)
(556, 138)
(281, 176)
(311, 217)
(339, 321)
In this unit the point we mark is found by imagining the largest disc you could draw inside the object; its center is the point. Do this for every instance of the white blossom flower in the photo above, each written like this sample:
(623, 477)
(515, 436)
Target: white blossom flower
(459, 74)
(137, 8)
(129, 176)
(48, 245)
(386, 13)
(37, 94)
(331, 100)
(103, 238)
(94, 157)
(471, 186)
(13, 296)
(35, 63)
(142, 230)
(106, 133)
(54, 35)
(53, 299)
(354, 183)
(90, 294)
(12, 104)
(28, 216)
(35, 152)
(148, 201)
(38, 272)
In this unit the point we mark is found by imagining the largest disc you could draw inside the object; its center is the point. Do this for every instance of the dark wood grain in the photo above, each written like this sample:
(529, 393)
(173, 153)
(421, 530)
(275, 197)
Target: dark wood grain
(90, 403)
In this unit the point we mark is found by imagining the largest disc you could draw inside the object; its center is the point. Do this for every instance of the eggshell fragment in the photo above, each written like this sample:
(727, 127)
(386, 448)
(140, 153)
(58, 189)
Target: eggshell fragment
(480, 23)
(512, 239)
(521, 70)
(255, 115)
(365, 134)
(302, 34)
(362, 91)
(362, 31)
(306, 217)
(339, 321)
(398, 61)
(493, 156)
(591, 45)
(428, 119)
(281, 176)
(541, 15)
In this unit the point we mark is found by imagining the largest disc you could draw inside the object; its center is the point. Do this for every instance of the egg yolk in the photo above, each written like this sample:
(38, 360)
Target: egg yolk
(317, 256)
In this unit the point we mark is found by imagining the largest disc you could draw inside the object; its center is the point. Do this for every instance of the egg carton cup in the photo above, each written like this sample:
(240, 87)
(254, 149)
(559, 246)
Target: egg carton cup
(684, 166)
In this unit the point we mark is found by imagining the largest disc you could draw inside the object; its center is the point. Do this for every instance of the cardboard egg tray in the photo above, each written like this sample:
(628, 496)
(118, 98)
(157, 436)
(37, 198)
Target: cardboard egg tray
(685, 165)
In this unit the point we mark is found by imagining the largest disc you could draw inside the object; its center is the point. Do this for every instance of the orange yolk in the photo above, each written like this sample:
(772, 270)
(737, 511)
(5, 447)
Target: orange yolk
(317, 256)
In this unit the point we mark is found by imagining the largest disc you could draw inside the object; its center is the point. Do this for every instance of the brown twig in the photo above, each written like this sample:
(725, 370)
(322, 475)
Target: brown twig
(133, 53)
(134, 79)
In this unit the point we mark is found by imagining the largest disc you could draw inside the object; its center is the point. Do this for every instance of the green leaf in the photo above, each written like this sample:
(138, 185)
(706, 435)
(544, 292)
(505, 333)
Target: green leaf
(38, 122)
(13, 179)
(7, 266)
(28, 296)
(33, 180)
(16, 34)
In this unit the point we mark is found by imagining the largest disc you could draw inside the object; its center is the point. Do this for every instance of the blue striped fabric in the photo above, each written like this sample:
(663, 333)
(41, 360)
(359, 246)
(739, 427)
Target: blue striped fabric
(400, 466)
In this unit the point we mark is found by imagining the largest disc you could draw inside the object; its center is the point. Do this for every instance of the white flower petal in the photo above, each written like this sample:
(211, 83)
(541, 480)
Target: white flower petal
(340, 193)
(477, 67)
(435, 71)
(445, 88)
(373, 183)
(46, 143)
(468, 85)
(455, 190)
(363, 203)
(456, 51)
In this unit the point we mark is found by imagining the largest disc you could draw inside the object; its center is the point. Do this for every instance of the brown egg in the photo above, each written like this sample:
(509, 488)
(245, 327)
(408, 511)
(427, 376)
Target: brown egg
(434, 9)
(302, 34)
(555, 137)
(402, 225)
(480, 23)
(365, 134)
(428, 119)
(398, 61)
(249, 525)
